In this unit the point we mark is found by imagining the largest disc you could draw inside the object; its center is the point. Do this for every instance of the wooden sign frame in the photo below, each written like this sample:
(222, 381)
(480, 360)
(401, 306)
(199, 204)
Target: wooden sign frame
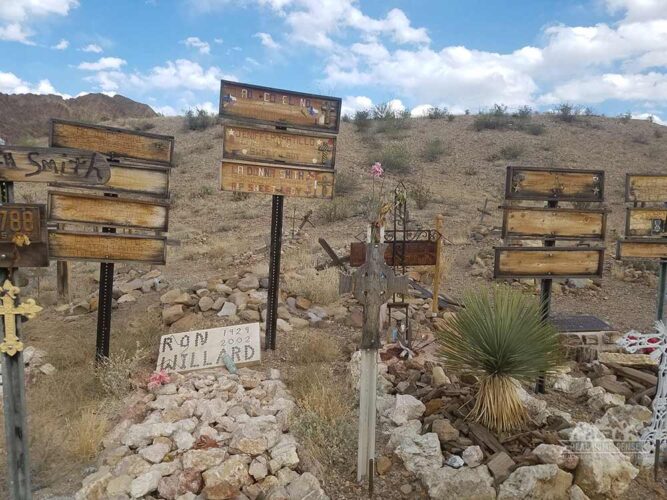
(512, 192)
(36, 253)
(283, 180)
(640, 222)
(647, 246)
(33, 164)
(538, 253)
(279, 147)
(270, 97)
(77, 208)
(118, 143)
(85, 246)
(661, 197)
(417, 253)
(566, 217)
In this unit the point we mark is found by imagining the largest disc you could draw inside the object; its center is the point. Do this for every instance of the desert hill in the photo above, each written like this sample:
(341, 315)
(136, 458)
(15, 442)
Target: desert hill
(25, 116)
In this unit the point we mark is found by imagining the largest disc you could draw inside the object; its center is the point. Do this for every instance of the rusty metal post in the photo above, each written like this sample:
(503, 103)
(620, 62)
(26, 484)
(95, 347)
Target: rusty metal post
(439, 227)
(274, 271)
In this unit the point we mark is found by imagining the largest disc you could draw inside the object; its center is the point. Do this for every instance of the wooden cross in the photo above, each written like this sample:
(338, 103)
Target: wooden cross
(11, 344)
(373, 284)
(633, 341)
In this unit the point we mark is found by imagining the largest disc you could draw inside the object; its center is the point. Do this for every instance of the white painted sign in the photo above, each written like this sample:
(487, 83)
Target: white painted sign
(201, 349)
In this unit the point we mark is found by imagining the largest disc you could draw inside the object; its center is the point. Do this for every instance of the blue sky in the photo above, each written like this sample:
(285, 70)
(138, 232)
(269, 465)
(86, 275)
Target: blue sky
(610, 55)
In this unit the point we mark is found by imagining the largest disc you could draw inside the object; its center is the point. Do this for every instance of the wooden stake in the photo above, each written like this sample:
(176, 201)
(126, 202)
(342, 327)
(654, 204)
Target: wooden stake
(439, 227)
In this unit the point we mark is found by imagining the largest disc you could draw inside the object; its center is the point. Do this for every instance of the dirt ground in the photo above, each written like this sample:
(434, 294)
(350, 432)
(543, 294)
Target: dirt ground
(214, 233)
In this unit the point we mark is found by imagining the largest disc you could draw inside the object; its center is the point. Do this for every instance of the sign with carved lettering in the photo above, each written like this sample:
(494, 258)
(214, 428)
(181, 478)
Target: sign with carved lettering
(112, 141)
(554, 184)
(276, 180)
(201, 349)
(646, 188)
(278, 107)
(28, 164)
(277, 146)
(106, 247)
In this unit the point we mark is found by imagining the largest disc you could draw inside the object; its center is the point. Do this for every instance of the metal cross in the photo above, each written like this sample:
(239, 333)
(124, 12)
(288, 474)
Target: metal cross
(632, 342)
(372, 285)
(11, 343)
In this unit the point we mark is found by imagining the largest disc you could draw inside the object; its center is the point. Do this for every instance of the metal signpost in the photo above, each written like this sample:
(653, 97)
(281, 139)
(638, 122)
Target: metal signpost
(139, 164)
(551, 224)
(372, 285)
(259, 155)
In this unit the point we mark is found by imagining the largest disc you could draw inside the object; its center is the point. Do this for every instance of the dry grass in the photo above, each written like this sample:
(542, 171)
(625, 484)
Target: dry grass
(498, 405)
(85, 433)
(115, 373)
(321, 287)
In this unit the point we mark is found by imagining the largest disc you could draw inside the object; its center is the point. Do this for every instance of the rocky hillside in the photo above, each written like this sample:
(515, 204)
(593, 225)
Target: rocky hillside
(25, 116)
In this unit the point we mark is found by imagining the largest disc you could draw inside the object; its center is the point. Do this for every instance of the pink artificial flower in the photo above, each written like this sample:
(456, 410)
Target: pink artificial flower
(377, 170)
(157, 379)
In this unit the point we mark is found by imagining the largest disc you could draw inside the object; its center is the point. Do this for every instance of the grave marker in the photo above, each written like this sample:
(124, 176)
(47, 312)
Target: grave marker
(257, 159)
(201, 349)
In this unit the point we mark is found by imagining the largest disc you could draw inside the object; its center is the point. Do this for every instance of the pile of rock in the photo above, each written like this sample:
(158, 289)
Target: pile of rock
(423, 413)
(237, 299)
(216, 435)
(128, 288)
(33, 359)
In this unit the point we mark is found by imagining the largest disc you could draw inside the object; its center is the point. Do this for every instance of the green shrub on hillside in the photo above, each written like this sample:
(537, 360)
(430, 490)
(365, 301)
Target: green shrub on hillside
(433, 150)
(362, 119)
(395, 159)
(199, 119)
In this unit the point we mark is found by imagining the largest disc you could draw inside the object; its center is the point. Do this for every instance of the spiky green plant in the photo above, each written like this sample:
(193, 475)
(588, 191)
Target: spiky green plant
(501, 338)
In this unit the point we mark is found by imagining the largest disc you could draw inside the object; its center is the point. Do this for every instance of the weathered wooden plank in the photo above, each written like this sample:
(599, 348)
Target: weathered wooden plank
(31, 164)
(646, 222)
(112, 141)
(131, 178)
(554, 184)
(107, 211)
(106, 247)
(274, 146)
(279, 107)
(417, 253)
(557, 223)
(271, 179)
(642, 377)
(548, 262)
(646, 187)
(641, 249)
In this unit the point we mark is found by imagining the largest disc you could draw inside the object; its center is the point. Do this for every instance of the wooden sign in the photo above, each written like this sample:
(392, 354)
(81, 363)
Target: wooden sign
(548, 262)
(528, 183)
(29, 164)
(641, 249)
(646, 222)
(556, 223)
(275, 146)
(111, 141)
(107, 211)
(203, 349)
(282, 108)
(646, 187)
(106, 247)
(270, 179)
(417, 253)
(129, 178)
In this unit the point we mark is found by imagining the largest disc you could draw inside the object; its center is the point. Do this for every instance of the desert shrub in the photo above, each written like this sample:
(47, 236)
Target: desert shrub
(494, 119)
(239, 196)
(362, 119)
(510, 152)
(345, 182)
(346, 118)
(335, 210)
(395, 159)
(85, 433)
(502, 339)
(115, 373)
(421, 193)
(433, 150)
(394, 124)
(321, 287)
(566, 112)
(439, 113)
(382, 111)
(470, 171)
(533, 128)
(524, 112)
(205, 190)
(640, 139)
(144, 126)
(625, 117)
(199, 119)
(369, 206)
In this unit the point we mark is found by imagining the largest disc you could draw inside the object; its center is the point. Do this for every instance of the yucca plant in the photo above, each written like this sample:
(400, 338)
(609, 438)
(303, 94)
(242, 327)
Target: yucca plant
(501, 338)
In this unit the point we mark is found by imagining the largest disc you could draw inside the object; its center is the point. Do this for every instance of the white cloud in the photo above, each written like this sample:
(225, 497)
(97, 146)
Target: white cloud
(103, 64)
(61, 45)
(18, 13)
(218, 40)
(599, 88)
(420, 110)
(12, 84)
(93, 47)
(207, 106)
(352, 104)
(638, 10)
(267, 40)
(648, 116)
(14, 32)
(196, 43)
(396, 105)
(165, 110)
